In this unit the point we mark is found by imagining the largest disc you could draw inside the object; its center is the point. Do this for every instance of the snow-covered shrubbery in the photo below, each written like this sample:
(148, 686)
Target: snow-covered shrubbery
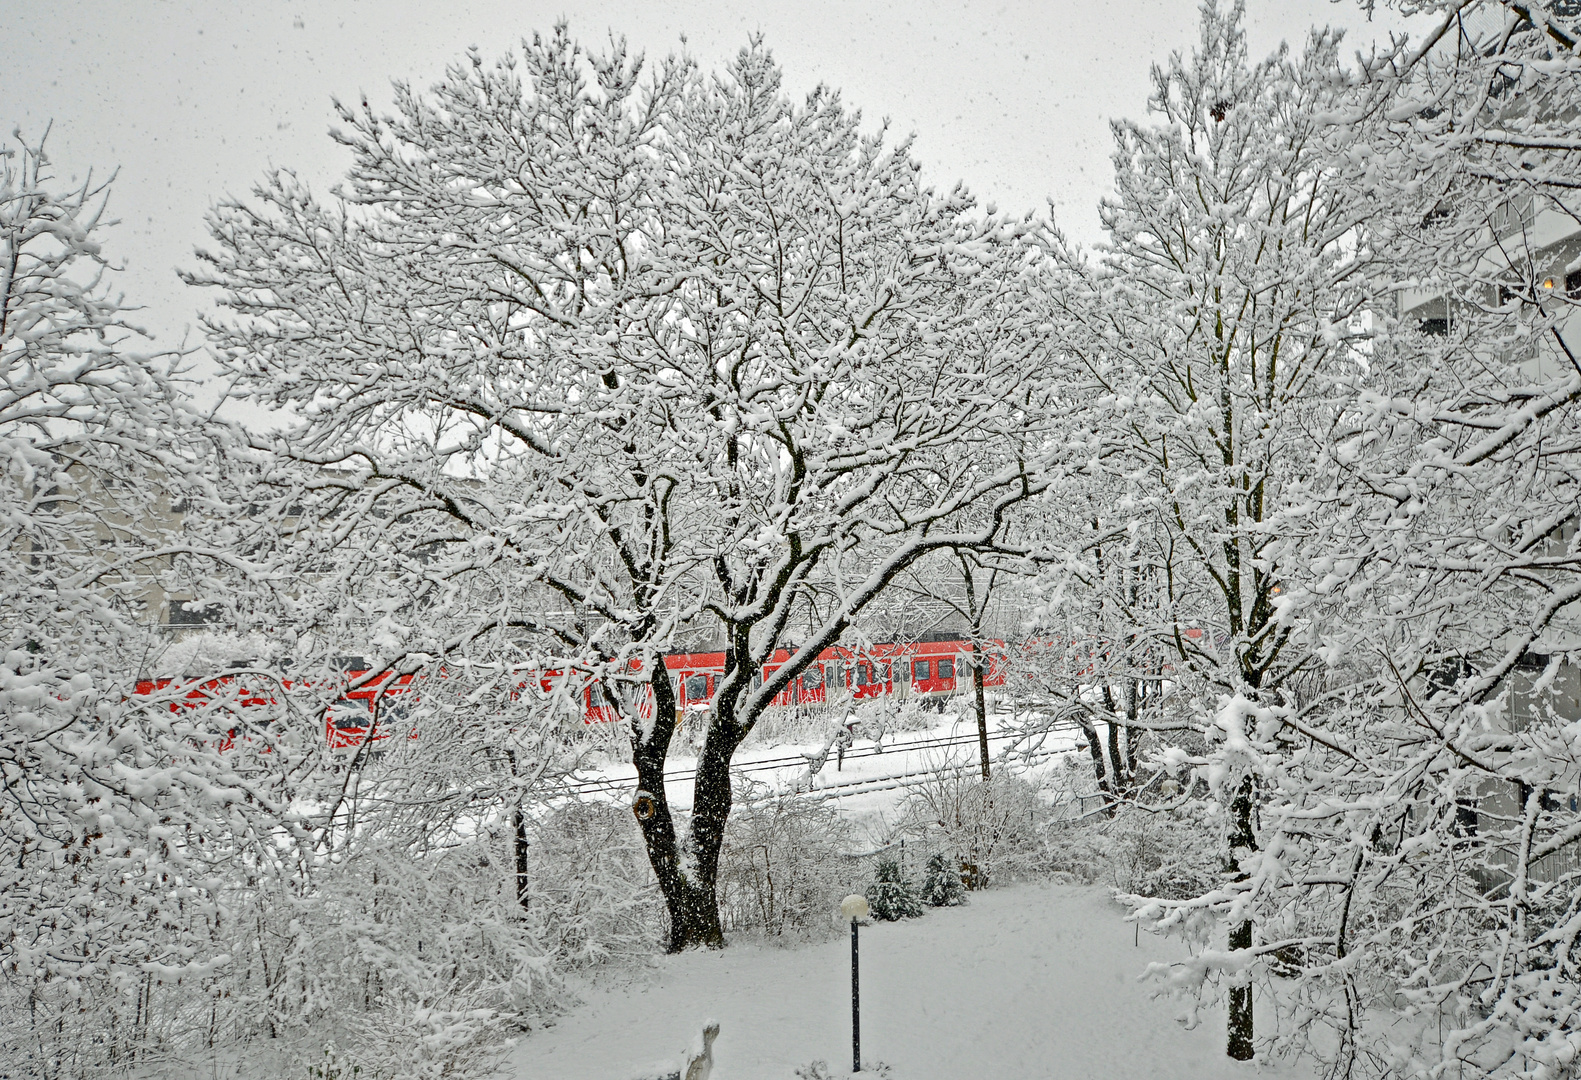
(1164, 853)
(941, 883)
(875, 720)
(591, 875)
(993, 829)
(404, 961)
(782, 869)
(803, 725)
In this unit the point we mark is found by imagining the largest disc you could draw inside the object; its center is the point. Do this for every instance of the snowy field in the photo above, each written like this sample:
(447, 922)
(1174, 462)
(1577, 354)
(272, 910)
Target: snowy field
(1031, 981)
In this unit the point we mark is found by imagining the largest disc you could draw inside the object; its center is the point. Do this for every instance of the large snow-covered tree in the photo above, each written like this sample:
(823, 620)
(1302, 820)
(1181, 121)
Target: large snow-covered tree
(586, 359)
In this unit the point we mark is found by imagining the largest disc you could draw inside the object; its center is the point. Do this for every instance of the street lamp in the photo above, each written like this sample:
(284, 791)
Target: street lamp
(854, 909)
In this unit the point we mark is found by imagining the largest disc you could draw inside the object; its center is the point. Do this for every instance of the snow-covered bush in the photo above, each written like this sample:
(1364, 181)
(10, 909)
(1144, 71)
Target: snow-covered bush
(590, 878)
(1164, 853)
(993, 829)
(891, 895)
(413, 963)
(908, 715)
(803, 725)
(781, 869)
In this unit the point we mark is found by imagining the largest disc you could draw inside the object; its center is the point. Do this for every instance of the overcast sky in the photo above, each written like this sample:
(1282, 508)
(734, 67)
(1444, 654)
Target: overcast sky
(193, 101)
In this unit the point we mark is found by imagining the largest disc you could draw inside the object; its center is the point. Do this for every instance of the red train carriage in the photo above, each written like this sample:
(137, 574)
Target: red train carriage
(366, 714)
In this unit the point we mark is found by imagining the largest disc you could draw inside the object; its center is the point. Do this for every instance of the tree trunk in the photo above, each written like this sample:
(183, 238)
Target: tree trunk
(1118, 775)
(1240, 1025)
(1116, 760)
(1133, 710)
(520, 822)
(982, 710)
(1242, 838)
(519, 830)
(1095, 748)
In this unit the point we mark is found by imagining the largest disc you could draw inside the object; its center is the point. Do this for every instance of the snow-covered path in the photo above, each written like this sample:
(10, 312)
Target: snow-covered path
(1033, 981)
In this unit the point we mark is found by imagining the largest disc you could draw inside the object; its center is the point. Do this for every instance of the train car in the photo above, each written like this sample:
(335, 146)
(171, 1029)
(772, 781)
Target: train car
(926, 669)
(369, 714)
(222, 694)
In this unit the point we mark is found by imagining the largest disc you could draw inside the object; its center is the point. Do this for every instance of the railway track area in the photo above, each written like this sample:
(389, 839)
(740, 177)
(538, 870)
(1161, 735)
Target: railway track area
(825, 786)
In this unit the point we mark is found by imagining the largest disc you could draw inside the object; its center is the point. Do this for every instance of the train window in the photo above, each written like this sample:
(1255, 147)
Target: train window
(837, 674)
(946, 669)
(697, 688)
(862, 675)
(812, 678)
(919, 670)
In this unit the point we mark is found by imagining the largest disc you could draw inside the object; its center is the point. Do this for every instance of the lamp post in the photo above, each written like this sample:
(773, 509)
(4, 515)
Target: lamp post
(854, 909)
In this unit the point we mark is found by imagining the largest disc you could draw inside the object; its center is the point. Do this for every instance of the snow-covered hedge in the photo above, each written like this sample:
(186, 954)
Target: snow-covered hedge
(782, 869)
(994, 830)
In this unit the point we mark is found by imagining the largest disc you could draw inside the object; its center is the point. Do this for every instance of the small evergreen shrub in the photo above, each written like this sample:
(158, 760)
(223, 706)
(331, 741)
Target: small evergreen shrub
(941, 883)
(891, 896)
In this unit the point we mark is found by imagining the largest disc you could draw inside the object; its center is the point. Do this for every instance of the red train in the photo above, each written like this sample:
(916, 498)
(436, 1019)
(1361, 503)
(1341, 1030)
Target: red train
(923, 669)
(926, 670)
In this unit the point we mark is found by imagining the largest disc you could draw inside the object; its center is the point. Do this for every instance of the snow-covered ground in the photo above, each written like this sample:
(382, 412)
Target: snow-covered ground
(1031, 981)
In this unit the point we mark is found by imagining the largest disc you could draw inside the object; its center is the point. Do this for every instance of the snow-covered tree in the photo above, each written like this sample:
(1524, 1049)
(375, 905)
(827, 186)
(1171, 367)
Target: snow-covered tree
(121, 817)
(1218, 329)
(587, 359)
(1367, 516)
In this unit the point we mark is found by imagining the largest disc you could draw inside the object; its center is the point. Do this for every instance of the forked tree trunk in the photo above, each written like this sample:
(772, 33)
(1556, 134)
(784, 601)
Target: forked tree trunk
(1089, 731)
(687, 868)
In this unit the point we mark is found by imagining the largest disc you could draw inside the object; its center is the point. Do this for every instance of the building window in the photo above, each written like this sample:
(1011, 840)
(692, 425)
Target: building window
(193, 613)
(1514, 215)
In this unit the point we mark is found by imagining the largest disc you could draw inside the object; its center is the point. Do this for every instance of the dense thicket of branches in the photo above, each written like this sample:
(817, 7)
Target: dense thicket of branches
(1337, 506)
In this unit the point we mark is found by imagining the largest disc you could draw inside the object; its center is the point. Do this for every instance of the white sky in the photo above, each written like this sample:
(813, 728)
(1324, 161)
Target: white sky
(193, 101)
